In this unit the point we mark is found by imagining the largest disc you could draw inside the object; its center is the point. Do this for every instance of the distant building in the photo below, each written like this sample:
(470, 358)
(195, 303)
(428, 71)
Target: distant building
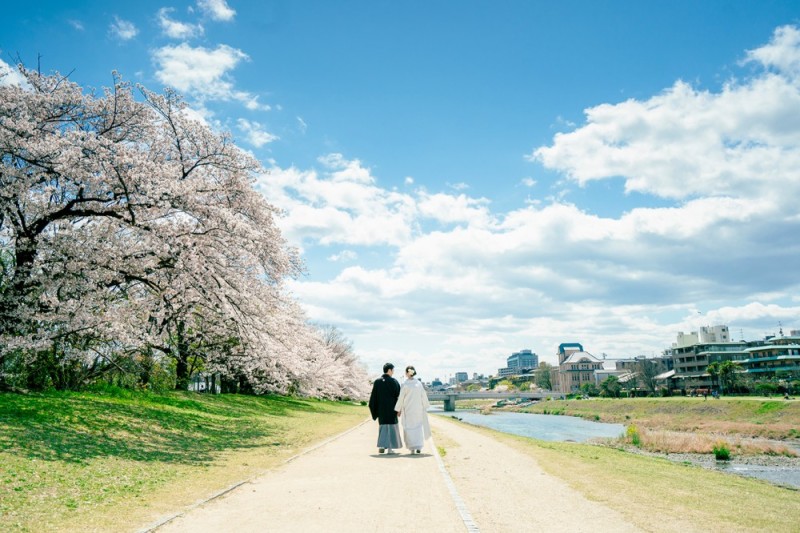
(523, 359)
(461, 377)
(705, 335)
(663, 363)
(778, 354)
(519, 362)
(565, 349)
(766, 358)
(691, 354)
(575, 367)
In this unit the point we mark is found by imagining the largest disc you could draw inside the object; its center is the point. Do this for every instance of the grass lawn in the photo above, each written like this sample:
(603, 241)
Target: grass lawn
(659, 495)
(756, 417)
(121, 460)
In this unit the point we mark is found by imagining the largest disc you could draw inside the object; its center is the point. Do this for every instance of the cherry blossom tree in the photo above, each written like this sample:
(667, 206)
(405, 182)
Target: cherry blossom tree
(127, 227)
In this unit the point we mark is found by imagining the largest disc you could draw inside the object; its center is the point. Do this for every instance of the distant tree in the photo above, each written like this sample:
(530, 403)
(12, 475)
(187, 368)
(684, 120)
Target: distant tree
(589, 389)
(543, 380)
(713, 370)
(727, 374)
(632, 382)
(507, 384)
(647, 371)
(610, 387)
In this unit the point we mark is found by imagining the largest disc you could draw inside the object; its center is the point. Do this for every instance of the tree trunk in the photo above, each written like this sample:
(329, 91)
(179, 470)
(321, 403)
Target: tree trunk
(182, 367)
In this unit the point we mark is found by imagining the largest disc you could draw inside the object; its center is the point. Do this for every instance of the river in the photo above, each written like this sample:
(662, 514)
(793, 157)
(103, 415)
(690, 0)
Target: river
(543, 427)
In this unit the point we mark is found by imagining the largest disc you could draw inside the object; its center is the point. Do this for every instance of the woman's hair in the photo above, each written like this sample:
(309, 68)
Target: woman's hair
(411, 369)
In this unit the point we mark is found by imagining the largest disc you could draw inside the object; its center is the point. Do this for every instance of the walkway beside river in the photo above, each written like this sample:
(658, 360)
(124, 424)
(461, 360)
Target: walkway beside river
(346, 486)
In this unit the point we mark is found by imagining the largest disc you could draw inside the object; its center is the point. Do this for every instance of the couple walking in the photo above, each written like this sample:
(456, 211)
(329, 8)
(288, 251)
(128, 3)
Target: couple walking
(389, 400)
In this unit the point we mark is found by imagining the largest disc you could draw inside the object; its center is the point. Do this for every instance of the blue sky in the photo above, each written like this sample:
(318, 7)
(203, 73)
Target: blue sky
(466, 179)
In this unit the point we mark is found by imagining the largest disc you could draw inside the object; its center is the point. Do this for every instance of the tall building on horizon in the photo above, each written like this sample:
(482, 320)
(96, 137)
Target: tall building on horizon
(518, 362)
(522, 359)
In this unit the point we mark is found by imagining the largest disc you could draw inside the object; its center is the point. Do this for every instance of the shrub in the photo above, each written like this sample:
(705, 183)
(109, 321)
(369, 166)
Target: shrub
(632, 434)
(766, 389)
(721, 451)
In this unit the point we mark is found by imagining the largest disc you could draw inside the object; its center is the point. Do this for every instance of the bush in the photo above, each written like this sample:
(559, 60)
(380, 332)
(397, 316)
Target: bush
(632, 435)
(721, 451)
(766, 389)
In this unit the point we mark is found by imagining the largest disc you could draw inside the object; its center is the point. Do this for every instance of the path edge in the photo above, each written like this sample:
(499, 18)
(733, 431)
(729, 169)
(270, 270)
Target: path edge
(461, 507)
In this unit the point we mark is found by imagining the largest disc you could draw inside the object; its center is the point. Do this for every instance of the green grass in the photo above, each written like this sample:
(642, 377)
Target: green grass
(118, 460)
(740, 416)
(659, 495)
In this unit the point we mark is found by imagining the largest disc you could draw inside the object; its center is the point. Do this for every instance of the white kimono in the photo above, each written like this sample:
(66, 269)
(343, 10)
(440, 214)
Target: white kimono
(413, 406)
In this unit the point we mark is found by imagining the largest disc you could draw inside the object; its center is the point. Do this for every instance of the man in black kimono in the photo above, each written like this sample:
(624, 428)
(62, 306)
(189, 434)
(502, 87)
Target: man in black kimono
(384, 395)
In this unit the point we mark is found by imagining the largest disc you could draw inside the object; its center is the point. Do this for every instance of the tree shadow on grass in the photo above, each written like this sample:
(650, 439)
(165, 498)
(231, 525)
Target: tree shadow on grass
(174, 428)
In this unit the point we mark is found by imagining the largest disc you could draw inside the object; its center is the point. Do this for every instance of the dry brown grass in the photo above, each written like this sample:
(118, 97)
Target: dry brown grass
(745, 417)
(666, 441)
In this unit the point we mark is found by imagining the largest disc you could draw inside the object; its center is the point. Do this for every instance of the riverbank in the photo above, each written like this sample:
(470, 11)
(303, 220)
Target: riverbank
(695, 430)
(652, 493)
(746, 417)
(104, 461)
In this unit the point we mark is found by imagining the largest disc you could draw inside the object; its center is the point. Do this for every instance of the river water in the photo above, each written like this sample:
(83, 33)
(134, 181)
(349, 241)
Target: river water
(543, 427)
(574, 429)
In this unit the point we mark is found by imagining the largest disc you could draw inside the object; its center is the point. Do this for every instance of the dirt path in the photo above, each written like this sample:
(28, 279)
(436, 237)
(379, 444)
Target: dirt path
(346, 486)
(342, 486)
(505, 490)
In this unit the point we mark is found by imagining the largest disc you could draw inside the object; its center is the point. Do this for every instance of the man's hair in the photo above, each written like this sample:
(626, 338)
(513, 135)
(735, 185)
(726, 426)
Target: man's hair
(387, 367)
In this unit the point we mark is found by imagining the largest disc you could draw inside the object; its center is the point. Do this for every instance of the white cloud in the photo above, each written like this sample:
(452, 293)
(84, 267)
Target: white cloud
(176, 29)
(743, 141)
(344, 170)
(782, 53)
(255, 133)
(302, 124)
(448, 209)
(341, 205)
(123, 29)
(409, 180)
(76, 24)
(203, 73)
(528, 182)
(344, 255)
(216, 9)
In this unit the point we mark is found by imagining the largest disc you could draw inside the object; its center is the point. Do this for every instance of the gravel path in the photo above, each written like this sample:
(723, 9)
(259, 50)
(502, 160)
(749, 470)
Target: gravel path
(346, 486)
(506, 490)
